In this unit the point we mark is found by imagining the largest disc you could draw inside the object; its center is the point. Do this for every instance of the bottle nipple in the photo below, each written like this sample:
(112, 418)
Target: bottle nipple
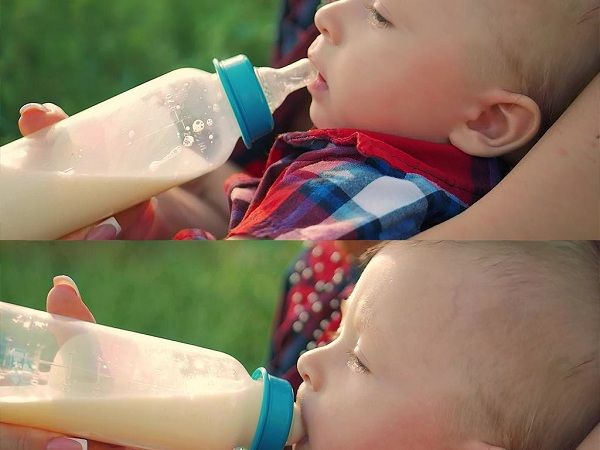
(277, 84)
(297, 431)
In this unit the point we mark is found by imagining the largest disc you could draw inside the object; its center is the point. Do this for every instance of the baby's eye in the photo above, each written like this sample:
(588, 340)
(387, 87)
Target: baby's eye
(376, 18)
(356, 364)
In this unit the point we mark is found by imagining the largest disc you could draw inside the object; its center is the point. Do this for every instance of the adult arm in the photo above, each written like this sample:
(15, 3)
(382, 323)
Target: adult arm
(553, 193)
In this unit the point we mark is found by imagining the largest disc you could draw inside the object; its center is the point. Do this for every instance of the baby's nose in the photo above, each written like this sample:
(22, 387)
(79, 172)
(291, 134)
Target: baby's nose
(309, 370)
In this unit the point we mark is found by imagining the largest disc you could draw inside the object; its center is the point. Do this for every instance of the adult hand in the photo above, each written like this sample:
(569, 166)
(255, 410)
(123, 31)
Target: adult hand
(201, 203)
(134, 223)
(63, 299)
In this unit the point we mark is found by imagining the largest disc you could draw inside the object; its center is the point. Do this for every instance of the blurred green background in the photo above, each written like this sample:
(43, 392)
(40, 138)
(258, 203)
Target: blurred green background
(219, 295)
(76, 53)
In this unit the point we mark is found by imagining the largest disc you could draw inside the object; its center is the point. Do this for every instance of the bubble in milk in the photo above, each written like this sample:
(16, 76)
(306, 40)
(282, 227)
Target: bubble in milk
(211, 137)
(215, 107)
(209, 122)
(131, 134)
(188, 141)
(187, 128)
(177, 107)
(198, 126)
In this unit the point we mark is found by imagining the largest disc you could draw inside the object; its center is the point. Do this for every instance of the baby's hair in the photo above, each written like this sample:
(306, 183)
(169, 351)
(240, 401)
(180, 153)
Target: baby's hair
(556, 365)
(539, 386)
(552, 60)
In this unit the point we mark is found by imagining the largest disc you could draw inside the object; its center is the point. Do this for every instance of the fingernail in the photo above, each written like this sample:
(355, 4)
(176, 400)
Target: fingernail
(33, 106)
(104, 231)
(50, 106)
(64, 279)
(63, 443)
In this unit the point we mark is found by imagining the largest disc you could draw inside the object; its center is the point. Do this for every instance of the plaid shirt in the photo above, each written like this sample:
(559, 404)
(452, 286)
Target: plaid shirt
(349, 184)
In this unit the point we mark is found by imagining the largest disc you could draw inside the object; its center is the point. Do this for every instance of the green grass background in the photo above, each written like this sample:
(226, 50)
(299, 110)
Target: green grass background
(219, 295)
(76, 53)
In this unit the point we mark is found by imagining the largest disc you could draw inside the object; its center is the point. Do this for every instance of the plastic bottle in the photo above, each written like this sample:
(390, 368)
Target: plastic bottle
(126, 149)
(125, 388)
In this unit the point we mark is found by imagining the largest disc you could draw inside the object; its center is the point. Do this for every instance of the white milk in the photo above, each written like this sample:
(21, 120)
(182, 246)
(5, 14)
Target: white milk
(66, 201)
(204, 421)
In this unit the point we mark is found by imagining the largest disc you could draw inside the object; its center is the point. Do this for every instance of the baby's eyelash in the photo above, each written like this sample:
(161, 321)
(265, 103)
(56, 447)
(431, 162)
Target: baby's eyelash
(376, 17)
(356, 364)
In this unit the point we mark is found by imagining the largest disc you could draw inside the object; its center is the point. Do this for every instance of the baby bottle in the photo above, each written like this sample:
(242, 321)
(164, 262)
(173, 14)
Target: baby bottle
(125, 388)
(124, 150)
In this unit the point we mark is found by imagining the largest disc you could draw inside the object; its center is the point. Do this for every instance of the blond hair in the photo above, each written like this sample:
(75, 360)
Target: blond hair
(549, 51)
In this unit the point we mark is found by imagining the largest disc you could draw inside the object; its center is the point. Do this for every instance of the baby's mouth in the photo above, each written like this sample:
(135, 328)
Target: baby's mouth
(320, 84)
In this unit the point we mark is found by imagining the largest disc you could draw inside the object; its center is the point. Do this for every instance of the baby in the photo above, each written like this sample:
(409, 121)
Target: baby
(498, 350)
(414, 102)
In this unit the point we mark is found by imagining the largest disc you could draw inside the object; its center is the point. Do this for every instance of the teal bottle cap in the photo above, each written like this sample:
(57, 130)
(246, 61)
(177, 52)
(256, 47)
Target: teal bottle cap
(276, 412)
(246, 97)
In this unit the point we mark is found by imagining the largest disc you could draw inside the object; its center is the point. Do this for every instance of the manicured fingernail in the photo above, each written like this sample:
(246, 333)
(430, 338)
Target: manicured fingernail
(50, 106)
(104, 231)
(63, 443)
(33, 107)
(64, 279)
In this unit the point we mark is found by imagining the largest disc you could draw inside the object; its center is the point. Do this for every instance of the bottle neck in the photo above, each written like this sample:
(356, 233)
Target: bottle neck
(276, 413)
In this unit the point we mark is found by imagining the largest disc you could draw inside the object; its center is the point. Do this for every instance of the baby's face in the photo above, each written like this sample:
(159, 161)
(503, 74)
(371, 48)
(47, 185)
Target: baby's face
(392, 377)
(396, 66)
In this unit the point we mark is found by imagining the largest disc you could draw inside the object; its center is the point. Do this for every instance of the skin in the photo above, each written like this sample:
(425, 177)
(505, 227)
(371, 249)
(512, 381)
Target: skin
(421, 84)
(337, 391)
(422, 347)
(556, 186)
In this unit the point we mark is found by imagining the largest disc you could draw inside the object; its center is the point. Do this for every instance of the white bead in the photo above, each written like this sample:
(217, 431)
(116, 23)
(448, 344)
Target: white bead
(317, 334)
(317, 307)
(311, 345)
(307, 273)
(297, 297)
(335, 257)
(324, 323)
(334, 303)
(319, 267)
(337, 278)
(297, 326)
(317, 251)
(294, 278)
(304, 316)
(313, 297)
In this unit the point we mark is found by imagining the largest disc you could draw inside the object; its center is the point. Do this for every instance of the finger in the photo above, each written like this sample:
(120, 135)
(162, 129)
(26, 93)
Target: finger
(78, 235)
(64, 299)
(138, 221)
(65, 443)
(107, 230)
(13, 437)
(34, 117)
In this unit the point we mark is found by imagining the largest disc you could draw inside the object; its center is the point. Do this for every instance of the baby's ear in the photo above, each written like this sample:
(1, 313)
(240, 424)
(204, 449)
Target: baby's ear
(501, 123)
